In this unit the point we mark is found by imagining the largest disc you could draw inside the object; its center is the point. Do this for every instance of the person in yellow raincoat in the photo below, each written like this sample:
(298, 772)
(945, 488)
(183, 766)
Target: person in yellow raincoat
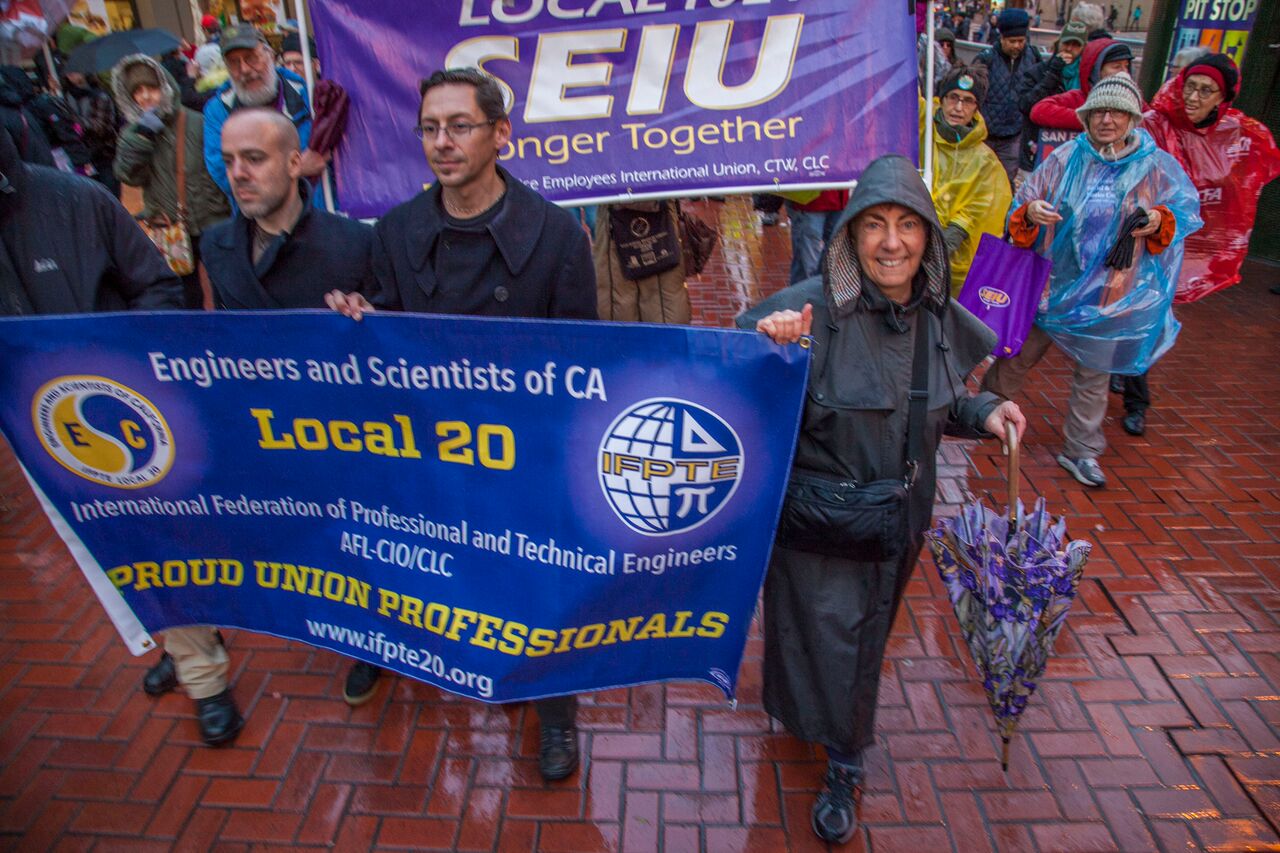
(970, 188)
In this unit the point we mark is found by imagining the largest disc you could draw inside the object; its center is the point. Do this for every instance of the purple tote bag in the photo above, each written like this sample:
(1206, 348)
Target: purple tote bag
(1003, 289)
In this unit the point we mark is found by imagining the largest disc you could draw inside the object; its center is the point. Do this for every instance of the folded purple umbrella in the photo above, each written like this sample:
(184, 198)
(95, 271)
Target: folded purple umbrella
(330, 110)
(1011, 580)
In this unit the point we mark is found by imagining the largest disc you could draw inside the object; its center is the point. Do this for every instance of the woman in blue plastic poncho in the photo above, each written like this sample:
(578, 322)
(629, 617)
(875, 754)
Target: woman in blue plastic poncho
(1107, 318)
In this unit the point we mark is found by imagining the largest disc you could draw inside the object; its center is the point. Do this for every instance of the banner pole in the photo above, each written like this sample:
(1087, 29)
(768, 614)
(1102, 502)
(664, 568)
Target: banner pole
(52, 72)
(309, 71)
(926, 135)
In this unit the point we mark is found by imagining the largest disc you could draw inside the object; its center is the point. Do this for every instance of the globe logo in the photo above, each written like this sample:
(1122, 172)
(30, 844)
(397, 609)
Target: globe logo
(668, 465)
(103, 431)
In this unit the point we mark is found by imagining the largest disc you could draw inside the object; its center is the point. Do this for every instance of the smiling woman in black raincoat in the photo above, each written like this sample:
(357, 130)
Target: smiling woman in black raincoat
(826, 618)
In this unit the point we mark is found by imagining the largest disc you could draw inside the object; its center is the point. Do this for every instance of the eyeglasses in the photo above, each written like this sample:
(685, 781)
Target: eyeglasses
(1201, 92)
(967, 100)
(455, 130)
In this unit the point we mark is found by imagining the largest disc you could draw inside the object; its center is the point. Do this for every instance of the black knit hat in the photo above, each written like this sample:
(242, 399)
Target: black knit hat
(942, 34)
(1013, 22)
(293, 42)
(967, 78)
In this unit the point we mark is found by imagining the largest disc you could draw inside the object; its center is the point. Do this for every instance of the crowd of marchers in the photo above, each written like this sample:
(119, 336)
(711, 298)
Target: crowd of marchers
(231, 155)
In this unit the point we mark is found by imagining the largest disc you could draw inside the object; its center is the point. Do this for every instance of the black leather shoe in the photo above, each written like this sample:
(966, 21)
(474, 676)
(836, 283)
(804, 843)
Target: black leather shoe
(1117, 384)
(834, 816)
(161, 678)
(362, 683)
(557, 752)
(1135, 423)
(218, 718)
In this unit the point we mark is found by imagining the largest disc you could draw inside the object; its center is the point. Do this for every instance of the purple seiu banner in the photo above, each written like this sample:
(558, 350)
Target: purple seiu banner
(612, 99)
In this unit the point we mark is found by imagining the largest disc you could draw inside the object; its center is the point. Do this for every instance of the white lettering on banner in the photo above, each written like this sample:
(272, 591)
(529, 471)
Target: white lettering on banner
(704, 79)
(555, 72)
(657, 49)
(477, 51)
(568, 10)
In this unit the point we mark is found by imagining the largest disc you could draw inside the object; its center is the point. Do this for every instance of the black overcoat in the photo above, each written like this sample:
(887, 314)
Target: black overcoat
(323, 252)
(827, 620)
(543, 269)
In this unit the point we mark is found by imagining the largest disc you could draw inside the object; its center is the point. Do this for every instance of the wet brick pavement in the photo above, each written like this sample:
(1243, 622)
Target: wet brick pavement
(1157, 726)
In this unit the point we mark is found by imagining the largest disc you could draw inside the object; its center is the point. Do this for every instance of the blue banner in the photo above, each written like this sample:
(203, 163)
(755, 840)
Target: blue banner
(507, 509)
(615, 100)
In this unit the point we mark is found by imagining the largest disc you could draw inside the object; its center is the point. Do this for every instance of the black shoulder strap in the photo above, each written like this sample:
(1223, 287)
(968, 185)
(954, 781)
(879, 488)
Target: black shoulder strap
(918, 398)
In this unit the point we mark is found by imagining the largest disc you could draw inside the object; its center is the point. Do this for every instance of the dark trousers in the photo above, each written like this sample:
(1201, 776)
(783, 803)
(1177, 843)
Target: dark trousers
(192, 292)
(559, 712)
(1006, 149)
(1137, 395)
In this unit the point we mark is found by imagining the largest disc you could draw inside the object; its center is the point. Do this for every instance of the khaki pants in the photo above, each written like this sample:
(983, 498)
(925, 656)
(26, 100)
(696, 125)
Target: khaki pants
(1086, 408)
(201, 661)
(661, 298)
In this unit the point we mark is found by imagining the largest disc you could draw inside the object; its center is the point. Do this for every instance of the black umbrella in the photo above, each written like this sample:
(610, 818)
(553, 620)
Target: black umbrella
(102, 54)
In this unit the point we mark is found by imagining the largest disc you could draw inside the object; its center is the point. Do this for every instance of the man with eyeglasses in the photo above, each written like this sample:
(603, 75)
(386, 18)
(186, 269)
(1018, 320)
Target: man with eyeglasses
(970, 189)
(478, 242)
(1111, 210)
(256, 81)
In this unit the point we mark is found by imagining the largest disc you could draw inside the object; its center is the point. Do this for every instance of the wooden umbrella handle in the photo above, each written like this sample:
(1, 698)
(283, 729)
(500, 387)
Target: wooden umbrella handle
(1011, 448)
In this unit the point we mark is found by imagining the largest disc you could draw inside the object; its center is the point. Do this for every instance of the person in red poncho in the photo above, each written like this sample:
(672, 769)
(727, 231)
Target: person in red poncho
(1228, 156)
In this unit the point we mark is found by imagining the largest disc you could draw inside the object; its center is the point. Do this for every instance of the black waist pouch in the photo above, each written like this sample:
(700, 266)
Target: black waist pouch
(829, 515)
(645, 241)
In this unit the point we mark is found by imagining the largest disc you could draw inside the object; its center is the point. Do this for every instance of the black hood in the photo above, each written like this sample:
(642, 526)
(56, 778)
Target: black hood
(16, 81)
(891, 179)
(14, 171)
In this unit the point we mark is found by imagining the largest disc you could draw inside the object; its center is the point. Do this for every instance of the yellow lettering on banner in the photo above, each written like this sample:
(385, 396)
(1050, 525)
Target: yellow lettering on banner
(683, 139)
(513, 637)
(310, 581)
(378, 438)
(268, 441)
(174, 574)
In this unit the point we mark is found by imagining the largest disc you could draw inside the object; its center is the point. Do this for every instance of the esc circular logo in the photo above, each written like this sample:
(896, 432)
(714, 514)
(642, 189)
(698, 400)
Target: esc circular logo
(103, 431)
(667, 465)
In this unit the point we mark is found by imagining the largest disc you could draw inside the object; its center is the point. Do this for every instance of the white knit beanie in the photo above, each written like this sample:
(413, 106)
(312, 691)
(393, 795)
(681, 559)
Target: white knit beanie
(209, 59)
(1117, 92)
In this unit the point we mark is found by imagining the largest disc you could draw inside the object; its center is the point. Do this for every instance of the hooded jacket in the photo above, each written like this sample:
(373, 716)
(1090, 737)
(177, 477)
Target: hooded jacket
(1059, 111)
(855, 419)
(67, 246)
(54, 116)
(1230, 159)
(828, 619)
(150, 160)
(24, 126)
(970, 187)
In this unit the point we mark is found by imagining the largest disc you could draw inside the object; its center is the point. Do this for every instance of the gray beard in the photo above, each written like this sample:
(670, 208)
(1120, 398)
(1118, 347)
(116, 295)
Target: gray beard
(259, 97)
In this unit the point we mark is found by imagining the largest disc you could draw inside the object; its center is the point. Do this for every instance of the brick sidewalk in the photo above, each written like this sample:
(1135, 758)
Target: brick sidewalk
(1155, 728)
